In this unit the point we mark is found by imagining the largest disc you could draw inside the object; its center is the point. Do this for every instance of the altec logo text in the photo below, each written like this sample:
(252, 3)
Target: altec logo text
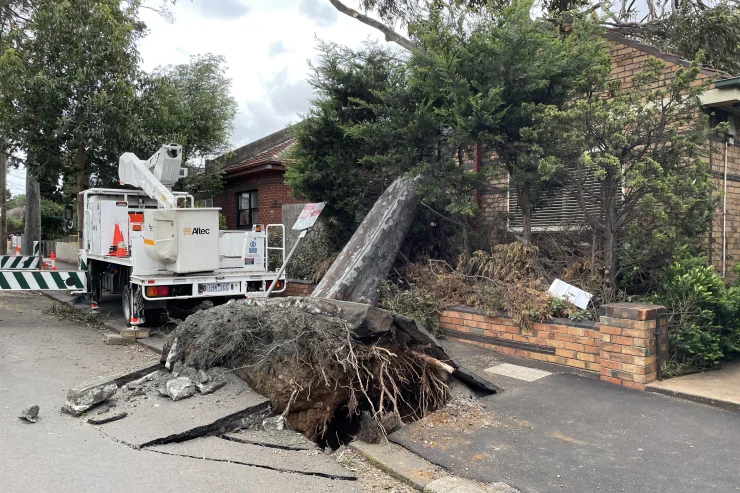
(196, 231)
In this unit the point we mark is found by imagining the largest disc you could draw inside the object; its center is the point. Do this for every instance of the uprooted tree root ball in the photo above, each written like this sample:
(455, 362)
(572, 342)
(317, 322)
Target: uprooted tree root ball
(316, 358)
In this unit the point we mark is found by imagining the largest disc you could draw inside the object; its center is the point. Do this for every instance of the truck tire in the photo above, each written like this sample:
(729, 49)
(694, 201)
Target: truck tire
(126, 304)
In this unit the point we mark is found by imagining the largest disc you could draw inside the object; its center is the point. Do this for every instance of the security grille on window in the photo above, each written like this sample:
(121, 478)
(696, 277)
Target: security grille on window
(562, 211)
(248, 214)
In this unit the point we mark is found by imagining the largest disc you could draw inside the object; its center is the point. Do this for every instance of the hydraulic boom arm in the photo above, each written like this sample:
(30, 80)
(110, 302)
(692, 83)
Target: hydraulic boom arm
(155, 176)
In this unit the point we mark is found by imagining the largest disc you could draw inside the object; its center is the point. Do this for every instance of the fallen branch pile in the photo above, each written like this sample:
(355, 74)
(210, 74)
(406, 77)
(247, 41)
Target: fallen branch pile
(314, 357)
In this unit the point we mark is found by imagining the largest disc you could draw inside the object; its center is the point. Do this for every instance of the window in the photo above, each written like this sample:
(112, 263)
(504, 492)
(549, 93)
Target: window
(561, 212)
(204, 203)
(247, 205)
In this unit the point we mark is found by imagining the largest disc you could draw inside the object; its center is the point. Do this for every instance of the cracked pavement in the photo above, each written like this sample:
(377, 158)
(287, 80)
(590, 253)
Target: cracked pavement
(41, 357)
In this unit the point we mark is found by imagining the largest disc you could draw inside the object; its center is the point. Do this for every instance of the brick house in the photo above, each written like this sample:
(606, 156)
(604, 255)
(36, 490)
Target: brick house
(722, 98)
(254, 182)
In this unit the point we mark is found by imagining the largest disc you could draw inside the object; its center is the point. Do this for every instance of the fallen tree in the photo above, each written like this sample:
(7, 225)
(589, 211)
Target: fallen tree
(316, 359)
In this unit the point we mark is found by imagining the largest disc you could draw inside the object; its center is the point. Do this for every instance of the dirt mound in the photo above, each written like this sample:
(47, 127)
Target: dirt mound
(317, 359)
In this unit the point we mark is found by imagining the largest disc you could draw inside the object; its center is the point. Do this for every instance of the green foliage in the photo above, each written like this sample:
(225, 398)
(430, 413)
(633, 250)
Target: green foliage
(416, 303)
(704, 314)
(75, 89)
(377, 116)
(189, 104)
(331, 155)
(52, 220)
(643, 146)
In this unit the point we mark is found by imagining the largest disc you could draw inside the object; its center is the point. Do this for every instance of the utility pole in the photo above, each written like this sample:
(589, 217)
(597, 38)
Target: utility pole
(3, 203)
(32, 229)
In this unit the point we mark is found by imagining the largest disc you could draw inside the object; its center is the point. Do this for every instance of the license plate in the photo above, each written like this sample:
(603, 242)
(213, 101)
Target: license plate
(220, 287)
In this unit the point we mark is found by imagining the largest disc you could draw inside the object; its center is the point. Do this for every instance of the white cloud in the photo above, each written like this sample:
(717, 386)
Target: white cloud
(270, 89)
(276, 48)
(322, 14)
(221, 9)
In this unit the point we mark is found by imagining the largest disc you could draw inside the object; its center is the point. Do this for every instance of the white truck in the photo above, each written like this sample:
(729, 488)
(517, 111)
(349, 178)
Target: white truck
(158, 250)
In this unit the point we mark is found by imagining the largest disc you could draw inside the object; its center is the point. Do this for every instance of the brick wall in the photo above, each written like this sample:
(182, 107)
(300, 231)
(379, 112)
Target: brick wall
(272, 194)
(298, 287)
(620, 347)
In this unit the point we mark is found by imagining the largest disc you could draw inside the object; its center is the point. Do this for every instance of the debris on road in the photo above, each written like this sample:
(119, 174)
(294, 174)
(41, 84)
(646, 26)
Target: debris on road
(320, 361)
(30, 414)
(180, 388)
(107, 419)
(89, 393)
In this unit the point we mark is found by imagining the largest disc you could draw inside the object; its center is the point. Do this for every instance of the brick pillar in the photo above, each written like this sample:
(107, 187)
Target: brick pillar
(627, 349)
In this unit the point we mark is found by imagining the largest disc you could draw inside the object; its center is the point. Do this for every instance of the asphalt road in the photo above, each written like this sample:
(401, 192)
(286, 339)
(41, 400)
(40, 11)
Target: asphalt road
(568, 433)
(41, 357)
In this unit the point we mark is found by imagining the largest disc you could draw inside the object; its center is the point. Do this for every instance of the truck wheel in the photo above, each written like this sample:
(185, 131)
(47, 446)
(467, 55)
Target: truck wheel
(126, 305)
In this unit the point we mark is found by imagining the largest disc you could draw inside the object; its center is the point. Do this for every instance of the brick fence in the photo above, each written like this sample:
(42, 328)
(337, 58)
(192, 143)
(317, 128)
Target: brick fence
(620, 347)
(297, 287)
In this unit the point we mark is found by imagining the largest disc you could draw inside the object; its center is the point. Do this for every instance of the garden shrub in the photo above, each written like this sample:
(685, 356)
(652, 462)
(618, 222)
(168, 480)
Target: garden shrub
(704, 315)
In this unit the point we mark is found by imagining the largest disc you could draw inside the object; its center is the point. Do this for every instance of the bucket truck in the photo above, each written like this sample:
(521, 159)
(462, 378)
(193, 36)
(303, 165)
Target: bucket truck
(155, 248)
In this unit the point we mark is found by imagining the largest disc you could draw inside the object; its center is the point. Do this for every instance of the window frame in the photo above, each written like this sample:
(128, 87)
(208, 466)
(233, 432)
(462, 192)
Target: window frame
(251, 209)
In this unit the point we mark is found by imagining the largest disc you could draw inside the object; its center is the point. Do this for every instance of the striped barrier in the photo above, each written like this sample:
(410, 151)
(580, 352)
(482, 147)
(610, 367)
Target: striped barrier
(19, 262)
(15, 280)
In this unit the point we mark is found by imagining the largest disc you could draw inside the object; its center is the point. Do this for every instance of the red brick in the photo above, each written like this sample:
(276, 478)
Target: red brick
(605, 329)
(611, 380)
(614, 365)
(586, 357)
(637, 333)
(593, 333)
(635, 351)
(565, 353)
(574, 347)
(564, 338)
(633, 385)
(555, 359)
(624, 341)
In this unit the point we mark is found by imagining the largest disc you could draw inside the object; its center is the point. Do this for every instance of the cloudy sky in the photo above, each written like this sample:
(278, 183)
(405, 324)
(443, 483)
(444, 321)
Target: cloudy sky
(267, 45)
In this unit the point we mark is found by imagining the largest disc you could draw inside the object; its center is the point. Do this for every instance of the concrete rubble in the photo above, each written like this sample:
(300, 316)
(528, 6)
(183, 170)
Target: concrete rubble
(30, 414)
(89, 393)
(180, 388)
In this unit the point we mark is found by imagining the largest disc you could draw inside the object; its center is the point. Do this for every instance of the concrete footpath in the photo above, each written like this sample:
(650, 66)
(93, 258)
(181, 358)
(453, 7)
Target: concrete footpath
(719, 388)
(562, 432)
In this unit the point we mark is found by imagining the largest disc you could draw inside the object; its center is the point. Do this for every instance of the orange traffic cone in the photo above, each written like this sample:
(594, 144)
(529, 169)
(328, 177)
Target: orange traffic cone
(119, 248)
(17, 250)
(53, 261)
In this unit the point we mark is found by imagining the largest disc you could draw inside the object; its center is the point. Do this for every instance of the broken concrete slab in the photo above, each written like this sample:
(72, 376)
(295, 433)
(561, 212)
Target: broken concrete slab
(113, 339)
(154, 419)
(451, 484)
(180, 388)
(106, 418)
(311, 462)
(398, 462)
(30, 414)
(87, 394)
(365, 320)
(284, 439)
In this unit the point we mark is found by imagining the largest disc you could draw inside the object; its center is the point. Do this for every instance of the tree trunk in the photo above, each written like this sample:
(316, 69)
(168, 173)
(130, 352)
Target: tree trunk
(32, 228)
(367, 258)
(3, 201)
(525, 204)
(610, 248)
(79, 188)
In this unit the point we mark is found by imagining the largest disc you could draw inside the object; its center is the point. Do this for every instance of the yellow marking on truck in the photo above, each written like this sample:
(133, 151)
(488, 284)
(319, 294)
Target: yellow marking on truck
(147, 241)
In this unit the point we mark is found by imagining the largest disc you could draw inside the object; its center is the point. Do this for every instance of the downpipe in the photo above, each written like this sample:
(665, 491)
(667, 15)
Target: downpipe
(724, 218)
